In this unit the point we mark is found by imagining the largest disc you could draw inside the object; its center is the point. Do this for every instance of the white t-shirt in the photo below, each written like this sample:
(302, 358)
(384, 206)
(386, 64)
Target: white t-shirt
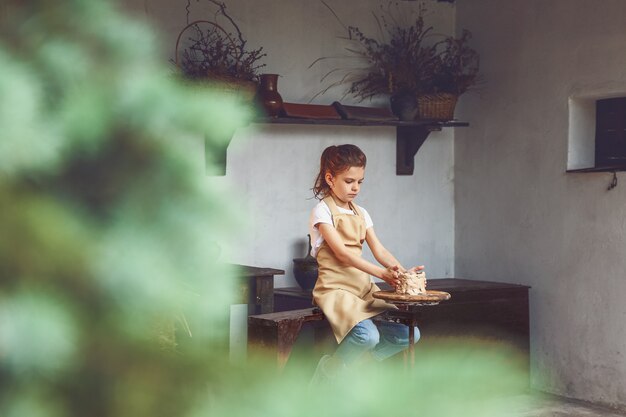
(321, 214)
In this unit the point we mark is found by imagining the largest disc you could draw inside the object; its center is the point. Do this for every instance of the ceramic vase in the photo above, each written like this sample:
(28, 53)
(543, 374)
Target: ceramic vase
(267, 95)
(305, 270)
(404, 105)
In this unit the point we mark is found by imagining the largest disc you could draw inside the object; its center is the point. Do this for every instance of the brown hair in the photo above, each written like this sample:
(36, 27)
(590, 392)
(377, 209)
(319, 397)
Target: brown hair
(335, 160)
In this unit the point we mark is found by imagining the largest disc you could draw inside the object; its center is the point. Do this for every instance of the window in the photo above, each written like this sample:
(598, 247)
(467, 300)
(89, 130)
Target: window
(610, 148)
(597, 132)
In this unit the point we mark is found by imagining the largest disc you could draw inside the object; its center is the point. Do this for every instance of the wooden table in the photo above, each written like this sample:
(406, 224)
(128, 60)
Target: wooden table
(257, 287)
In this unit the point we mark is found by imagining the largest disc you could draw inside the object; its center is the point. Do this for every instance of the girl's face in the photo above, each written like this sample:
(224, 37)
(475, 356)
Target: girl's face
(345, 186)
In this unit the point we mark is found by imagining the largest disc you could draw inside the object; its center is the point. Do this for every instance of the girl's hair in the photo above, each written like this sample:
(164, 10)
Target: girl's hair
(335, 160)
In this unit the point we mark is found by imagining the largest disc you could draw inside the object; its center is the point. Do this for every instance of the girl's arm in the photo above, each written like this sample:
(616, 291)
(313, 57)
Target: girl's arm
(332, 238)
(381, 253)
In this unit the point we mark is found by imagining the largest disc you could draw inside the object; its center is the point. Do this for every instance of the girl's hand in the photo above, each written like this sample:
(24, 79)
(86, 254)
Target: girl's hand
(390, 276)
(417, 268)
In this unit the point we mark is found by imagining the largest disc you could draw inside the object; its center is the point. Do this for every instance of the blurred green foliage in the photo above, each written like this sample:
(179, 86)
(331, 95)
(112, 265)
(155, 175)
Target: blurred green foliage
(112, 301)
(107, 218)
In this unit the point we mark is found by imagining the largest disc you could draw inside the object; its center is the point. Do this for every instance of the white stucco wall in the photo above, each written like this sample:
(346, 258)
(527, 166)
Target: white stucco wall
(519, 217)
(271, 169)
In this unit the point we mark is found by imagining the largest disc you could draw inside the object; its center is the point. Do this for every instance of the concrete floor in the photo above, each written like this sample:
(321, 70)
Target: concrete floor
(552, 406)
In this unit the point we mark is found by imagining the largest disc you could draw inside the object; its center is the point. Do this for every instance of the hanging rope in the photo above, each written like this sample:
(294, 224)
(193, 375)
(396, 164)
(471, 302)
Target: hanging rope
(613, 183)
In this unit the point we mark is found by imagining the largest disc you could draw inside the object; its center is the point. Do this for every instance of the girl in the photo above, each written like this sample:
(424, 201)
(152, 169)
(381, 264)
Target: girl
(343, 289)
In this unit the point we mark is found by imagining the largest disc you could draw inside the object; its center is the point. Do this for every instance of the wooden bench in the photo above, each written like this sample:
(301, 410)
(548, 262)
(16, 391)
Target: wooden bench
(276, 333)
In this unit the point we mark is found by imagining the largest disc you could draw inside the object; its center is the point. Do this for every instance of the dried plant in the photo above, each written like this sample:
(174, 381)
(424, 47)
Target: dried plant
(457, 65)
(404, 58)
(404, 63)
(214, 52)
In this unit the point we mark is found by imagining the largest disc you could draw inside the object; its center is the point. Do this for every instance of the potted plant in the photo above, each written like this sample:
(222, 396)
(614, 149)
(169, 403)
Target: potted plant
(410, 66)
(402, 66)
(220, 59)
(212, 53)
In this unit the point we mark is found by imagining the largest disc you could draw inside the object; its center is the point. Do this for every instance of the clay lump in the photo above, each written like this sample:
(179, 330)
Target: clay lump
(411, 283)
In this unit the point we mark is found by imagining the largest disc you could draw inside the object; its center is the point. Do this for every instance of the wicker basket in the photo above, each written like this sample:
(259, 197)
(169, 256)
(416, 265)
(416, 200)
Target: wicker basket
(436, 106)
(243, 90)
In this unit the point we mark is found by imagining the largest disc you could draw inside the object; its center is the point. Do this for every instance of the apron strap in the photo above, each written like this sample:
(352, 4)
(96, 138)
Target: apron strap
(331, 205)
(357, 211)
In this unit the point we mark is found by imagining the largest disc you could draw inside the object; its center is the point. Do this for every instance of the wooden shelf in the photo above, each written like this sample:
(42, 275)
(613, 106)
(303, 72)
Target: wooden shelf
(409, 135)
(354, 122)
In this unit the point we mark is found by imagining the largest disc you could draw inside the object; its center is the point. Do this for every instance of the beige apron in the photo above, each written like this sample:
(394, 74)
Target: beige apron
(343, 292)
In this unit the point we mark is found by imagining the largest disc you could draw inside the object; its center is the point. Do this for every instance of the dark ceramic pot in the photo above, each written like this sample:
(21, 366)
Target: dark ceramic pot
(305, 270)
(267, 95)
(404, 105)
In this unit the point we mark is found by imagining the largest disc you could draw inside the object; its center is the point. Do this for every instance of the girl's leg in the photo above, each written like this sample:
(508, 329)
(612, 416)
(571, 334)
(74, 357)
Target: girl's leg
(362, 338)
(394, 338)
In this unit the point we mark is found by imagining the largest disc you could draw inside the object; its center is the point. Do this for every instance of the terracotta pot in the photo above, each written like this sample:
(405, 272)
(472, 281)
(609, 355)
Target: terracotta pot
(267, 95)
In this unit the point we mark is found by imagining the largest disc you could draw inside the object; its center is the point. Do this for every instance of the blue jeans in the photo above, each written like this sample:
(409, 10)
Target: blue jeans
(383, 339)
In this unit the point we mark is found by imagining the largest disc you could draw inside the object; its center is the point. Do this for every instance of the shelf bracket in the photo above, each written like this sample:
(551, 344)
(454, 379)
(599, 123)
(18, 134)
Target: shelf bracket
(409, 139)
(215, 156)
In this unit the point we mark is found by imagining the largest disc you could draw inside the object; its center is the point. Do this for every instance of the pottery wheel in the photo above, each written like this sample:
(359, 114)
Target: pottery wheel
(430, 297)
